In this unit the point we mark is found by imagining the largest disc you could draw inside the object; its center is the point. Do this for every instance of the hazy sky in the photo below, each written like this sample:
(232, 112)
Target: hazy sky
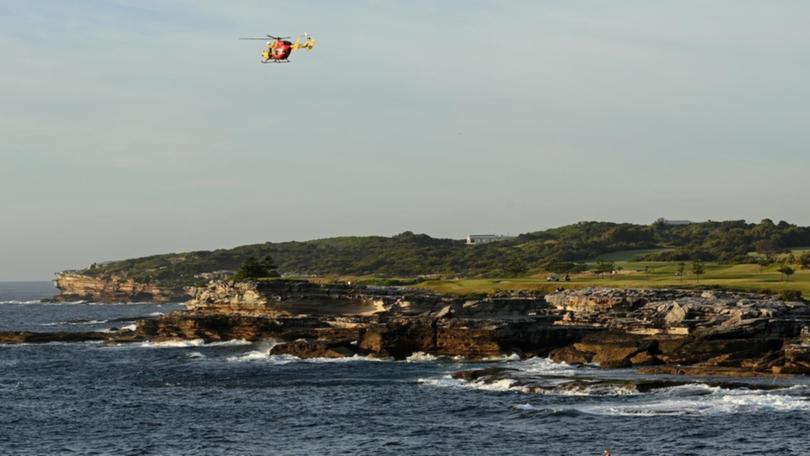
(132, 127)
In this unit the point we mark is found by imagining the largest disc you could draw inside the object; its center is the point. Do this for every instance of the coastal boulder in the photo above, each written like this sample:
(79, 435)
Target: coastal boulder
(570, 355)
(400, 337)
(315, 349)
(615, 350)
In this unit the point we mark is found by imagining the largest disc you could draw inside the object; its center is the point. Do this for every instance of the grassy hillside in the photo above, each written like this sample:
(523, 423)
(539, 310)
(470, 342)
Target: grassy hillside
(747, 277)
(412, 255)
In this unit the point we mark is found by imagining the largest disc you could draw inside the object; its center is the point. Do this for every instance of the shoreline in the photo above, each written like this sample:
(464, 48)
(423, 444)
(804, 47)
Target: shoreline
(667, 331)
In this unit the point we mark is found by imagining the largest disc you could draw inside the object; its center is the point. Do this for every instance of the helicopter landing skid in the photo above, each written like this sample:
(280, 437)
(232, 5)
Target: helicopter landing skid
(275, 61)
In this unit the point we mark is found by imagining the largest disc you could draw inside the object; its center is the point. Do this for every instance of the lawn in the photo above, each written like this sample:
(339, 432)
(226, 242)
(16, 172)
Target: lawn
(642, 275)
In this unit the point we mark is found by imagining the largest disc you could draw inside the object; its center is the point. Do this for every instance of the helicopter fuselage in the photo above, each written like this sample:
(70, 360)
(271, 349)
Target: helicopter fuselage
(277, 51)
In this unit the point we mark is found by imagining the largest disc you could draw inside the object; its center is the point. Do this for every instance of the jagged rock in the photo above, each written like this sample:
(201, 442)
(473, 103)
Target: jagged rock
(186, 325)
(697, 350)
(445, 312)
(644, 359)
(804, 336)
(675, 315)
(315, 349)
(613, 350)
(670, 311)
(74, 286)
(476, 374)
(400, 337)
(301, 297)
(28, 337)
(570, 355)
(797, 353)
(687, 331)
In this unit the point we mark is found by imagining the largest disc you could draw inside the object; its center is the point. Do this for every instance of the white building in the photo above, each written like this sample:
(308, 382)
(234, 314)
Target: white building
(475, 239)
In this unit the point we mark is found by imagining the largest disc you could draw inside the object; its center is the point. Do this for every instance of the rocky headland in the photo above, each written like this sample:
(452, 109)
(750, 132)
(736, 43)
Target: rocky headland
(76, 286)
(671, 331)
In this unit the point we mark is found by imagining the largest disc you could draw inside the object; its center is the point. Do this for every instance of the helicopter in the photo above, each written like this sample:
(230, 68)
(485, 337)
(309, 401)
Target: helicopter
(279, 48)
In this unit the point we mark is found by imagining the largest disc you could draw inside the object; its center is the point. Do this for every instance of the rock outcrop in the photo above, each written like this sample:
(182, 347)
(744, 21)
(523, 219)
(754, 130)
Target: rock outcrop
(656, 330)
(74, 286)
(301, 297)
(685, 331)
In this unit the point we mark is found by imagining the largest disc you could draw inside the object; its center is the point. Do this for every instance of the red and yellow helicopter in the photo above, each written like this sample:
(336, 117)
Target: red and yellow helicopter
(279, 48)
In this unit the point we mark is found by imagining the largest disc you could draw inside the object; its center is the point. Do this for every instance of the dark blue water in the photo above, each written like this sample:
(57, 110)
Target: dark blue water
(234, 399)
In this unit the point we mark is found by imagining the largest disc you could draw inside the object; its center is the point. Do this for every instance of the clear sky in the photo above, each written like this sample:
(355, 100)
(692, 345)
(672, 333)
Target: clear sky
(133, 127)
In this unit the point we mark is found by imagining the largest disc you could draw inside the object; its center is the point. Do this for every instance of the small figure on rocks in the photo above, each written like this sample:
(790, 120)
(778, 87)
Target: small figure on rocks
(607, 452)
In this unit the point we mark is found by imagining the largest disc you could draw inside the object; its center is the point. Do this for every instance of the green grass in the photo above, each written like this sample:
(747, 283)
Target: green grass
(746, 277)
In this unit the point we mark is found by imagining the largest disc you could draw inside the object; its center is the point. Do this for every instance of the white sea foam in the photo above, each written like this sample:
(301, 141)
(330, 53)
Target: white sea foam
(265, 356)
(505, 384)
(544, 366)
(75, 323)
(230, 343)
(175, 343)
(442, 382)
(599, 389)
(699, 399)
(421, 357)
(504, 358)
(195, 355)
(156, 314)
(15, 301)
(131, 327)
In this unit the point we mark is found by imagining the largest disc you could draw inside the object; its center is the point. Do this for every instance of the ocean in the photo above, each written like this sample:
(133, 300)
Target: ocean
(233, 398)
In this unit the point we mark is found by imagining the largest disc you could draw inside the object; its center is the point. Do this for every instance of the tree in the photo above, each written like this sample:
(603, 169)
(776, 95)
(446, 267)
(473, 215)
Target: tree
(763, 262)
(681, 270)
(765, 247)
(604, 267)
(786, 272)
(559, 267)
(698, 269)
(253, 268)
(270, 267)
(789, 259)
(804, 260)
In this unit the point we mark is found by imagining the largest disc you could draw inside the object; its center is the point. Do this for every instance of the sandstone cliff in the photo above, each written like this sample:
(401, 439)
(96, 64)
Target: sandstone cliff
(75, 286)
(656, 330)
(301, 297)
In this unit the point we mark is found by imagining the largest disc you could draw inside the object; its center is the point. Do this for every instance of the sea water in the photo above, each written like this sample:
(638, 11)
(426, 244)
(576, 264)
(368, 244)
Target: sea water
(234, 398)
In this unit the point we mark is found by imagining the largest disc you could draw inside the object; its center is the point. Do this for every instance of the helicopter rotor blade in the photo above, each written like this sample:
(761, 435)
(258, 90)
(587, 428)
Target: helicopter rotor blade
(263, 39)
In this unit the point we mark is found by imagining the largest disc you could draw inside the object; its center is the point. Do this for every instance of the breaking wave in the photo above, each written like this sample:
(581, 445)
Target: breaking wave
(176, 343)
(544, 366)
(421, 357)
(447, 381)
(16, 301)
(75, 323)
(692, 400)
(700, 399)
(265, 356)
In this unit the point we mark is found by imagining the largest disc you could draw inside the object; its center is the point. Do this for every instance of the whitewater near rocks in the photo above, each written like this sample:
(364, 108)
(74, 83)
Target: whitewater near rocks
(401, 382)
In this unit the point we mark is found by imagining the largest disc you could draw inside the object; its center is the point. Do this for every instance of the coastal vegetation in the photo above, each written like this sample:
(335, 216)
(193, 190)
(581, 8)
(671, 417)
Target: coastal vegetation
(729, 253)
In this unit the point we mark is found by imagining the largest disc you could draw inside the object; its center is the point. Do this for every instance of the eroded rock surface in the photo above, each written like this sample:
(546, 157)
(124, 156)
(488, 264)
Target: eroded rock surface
(80, 287)
(658, 330)
(685, 331)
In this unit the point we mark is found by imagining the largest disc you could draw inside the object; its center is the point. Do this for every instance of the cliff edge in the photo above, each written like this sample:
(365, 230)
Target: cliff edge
(75, 286)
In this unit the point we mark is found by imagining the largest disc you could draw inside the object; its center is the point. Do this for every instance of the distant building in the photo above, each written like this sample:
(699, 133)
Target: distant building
(215, 275)
(673, 222)
(475, 239)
